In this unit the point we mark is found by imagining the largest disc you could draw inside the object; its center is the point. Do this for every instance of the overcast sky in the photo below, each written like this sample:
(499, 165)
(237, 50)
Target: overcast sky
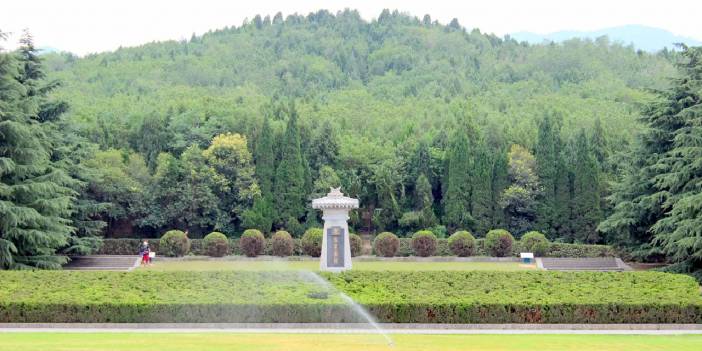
(84, 26)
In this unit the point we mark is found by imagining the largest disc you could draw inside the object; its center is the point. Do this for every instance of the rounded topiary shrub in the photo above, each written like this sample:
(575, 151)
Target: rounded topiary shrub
(424, 243)
(282, 244)
(252, 242)
(535, 243)
(312, 242)
(498, 242)
(462, 243)
(174, 243)
(386, 244)
(216, 244)
(356, 244)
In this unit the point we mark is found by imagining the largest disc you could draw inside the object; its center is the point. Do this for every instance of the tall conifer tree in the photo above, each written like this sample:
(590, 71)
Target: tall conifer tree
(457, 198)
(35, 201)
(586, 213)
(290, 183)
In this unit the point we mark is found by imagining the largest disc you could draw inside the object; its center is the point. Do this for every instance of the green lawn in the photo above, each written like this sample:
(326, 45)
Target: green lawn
(314, 265)
(325, 342)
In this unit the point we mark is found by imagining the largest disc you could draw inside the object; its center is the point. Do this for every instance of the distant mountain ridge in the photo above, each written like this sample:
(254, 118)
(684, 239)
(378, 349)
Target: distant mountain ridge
(645, 38)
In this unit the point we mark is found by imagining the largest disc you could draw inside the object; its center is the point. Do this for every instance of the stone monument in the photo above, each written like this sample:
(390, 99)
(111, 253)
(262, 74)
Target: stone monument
(336, 248)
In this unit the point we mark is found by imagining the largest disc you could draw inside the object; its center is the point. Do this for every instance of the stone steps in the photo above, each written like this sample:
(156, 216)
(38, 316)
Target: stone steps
(102, 263)
(583, 264)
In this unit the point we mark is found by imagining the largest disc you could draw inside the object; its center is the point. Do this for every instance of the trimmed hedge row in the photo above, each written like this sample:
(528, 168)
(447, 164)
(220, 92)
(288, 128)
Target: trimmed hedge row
(524, 297)
(131, 247)
(152, 297)
(396, 297)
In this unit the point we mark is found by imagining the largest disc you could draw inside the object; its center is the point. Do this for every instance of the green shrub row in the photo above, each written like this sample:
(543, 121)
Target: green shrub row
(394, 297)
(131, 247)
(554, 250)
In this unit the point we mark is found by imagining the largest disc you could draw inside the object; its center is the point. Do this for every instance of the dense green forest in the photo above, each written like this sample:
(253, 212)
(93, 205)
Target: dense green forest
(429, 125)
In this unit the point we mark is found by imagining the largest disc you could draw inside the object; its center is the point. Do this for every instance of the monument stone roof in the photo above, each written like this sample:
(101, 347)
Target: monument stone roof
(335, 199)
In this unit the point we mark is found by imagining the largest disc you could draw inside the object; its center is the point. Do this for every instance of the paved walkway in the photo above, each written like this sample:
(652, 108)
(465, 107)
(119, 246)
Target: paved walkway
(352, 328)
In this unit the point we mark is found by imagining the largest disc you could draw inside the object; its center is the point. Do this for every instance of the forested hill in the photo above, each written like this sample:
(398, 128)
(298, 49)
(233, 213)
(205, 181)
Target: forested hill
(391, 79)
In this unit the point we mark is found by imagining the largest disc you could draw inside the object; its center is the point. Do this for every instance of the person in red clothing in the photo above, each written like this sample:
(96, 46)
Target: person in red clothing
(144, 252)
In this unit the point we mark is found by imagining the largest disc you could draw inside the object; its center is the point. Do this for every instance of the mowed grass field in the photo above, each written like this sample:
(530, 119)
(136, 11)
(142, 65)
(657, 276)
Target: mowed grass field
(314, 266)
(326, 342)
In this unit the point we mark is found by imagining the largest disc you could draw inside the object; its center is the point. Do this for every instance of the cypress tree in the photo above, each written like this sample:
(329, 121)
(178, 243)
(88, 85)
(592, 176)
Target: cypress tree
(500, 182)
(264, 158)
(457, 199)
(425, 202)
(586, 213)
(481, 188)
(547, 169)
(34, 199)
(290, 182)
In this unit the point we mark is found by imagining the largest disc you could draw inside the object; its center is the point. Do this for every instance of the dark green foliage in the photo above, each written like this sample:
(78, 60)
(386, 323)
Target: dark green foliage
(535, 243)
(252, 242)
(498, 242)
(174, 243)
(282, 244)
(259, 216)
(294, 227)
(356, 244)
(424, 243)
(462, 243)
(216, 244)
(290, 181)
(386, 244)
(312, 242)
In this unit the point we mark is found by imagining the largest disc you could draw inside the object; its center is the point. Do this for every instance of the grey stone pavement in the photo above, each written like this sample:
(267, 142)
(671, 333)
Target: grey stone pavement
(353, 328)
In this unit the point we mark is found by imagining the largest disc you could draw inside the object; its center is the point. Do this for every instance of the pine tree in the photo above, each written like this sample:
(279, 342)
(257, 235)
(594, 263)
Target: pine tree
(679, 179)
(654, 194)
(66, 151)
(290, 182)
(586, 212)
(34, 199)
